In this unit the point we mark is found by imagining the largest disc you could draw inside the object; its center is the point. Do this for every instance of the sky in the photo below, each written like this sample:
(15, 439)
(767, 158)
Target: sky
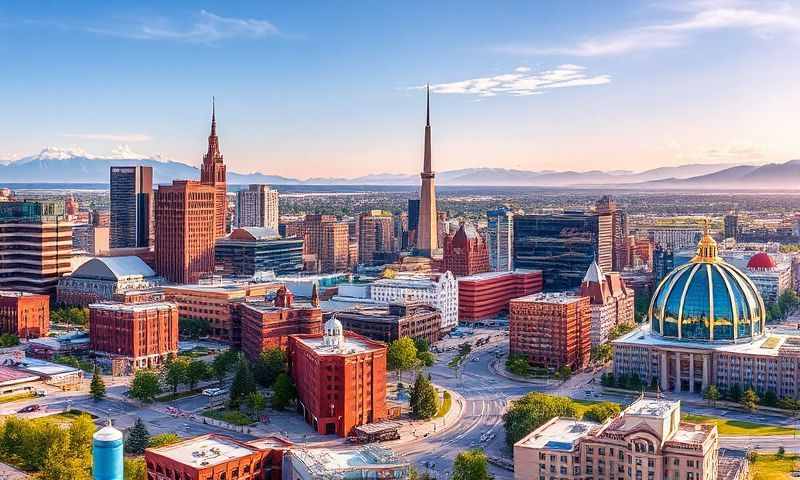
(336, 89)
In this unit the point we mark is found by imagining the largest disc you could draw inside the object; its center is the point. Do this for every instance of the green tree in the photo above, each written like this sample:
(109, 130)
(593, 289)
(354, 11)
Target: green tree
(402, 355)
(163, 439)
(134, 469)
(735, 392)
(471, 465)
(750, 400)
(620, 330)
(424, 401)
(69, 468)
(197, 370)
(223, 364)
(427, 359)
(81, 431)
(518, 365)
(255, 402)
(422, 345)
(8, 340)
(533, 410)
(138, 438)
(145, 386)
(781, 452)
(602, 353)
(711, 394)
(284, 392)
(270, 364)
(194, 328)
(600, 412)
(175, 373)
(243, 384)
(97, 389)
(564, 372)
(770, 398)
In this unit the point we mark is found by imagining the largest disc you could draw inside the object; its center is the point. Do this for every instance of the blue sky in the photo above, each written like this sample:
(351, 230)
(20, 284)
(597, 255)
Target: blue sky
(331, 88)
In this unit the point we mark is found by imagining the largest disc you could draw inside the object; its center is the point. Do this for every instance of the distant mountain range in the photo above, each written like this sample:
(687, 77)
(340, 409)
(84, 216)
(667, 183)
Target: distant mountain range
(53, 165)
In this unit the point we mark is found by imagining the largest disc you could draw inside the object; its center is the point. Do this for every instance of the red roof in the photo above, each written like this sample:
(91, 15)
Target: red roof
(761, 261)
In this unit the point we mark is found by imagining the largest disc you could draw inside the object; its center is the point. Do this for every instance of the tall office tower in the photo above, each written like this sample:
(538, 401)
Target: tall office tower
(500, 239)
(663, 262)
(185, 230)
(375, 237)
(213, 173)
(131, 206)
(427, 232)
(335, 248)
(257, 207)
(465, 252)
(731, 225)
(619, 229)
(313, 227)
(413, 221)
(35, 246)
(401, 231)
(562, 245)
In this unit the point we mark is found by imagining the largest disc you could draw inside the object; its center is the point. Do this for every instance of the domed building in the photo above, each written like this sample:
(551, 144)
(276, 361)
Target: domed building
(706, 325)
(770, 278)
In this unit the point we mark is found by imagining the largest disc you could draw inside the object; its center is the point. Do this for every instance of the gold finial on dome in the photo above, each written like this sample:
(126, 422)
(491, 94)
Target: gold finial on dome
(707, 250)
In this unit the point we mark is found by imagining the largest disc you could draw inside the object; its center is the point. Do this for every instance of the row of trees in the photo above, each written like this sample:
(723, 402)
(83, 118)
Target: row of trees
(535, 409)
(74, 316)
(748, 398)
(787, 303)
(627, 382)
(519, 365)
(44, 446)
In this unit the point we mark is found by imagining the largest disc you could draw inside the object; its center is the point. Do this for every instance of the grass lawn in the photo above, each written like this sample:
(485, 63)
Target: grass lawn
(64, 418)
(16, 396)
(446, 404)
(770, 467)
(233, 417)
(739, 427)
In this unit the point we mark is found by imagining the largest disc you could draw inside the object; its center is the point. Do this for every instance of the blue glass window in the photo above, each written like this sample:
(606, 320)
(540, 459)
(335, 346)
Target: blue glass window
(723, 310)
(695, 321)
(673, 304)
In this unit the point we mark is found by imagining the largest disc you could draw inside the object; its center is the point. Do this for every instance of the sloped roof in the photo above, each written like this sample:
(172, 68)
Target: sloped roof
(113, 268)
(254, 233)
(594, 273)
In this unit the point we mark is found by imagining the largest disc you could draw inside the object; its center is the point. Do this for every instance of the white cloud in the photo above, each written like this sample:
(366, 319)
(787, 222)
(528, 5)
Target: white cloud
(205, 27)
(705, 16)
(523, 82)
(110, 137)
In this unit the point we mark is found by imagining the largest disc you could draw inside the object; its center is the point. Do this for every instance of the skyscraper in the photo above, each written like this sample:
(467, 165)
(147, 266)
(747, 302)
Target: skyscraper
(427, 241)
(131, 206)
(213, 173)
(413, 221)
(257, 207)
(375, 236)
(500, 239)
(185, 233)
(731, 225)
(619, 230)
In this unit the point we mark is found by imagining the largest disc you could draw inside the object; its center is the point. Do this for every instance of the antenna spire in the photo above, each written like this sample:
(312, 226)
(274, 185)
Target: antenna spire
(428, 109)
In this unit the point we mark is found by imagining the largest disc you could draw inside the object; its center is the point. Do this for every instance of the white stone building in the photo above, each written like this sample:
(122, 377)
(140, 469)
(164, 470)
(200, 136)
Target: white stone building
(437, 290)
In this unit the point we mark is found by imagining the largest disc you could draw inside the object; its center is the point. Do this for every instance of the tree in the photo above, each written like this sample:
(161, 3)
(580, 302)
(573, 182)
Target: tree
(424, 400)
(750, 400)
(735, 392)
(255, 402)
(770, 398)
(97, 389)
(564, 372)
(243, 384)
(402, 355)
(81, 431)
(138, 438)
(600, 412)
(533, 410)
(471, 465)
(69, 468)
(223, 363)
(194, 328)
(145, 386)
(284, 392)
(163, 439)
(602, 353)
(620, 330)
(413, 474)
(427, 359)
(196, 370)
(270, 364)
(8, 340)
(781, 452)
(711, 394)
(175, 373)
(134, 469)
(518, 365)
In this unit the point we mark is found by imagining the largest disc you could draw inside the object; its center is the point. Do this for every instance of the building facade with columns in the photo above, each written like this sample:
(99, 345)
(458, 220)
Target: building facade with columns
(707, 327)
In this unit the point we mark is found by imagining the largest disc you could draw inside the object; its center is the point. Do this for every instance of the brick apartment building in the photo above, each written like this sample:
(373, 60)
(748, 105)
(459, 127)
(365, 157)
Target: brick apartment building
(340, 378)
(217, 456)
(140, 335)
(465, 252)
(487, 295)
(551, 330)
(388, 323)
(25, 315)
(185, 237)
(269, 324)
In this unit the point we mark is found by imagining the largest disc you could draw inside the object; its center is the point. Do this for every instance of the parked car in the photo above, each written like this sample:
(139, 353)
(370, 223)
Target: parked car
(29, 409)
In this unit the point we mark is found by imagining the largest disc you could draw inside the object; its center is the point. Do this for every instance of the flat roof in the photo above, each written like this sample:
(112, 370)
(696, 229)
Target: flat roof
(559, 297)
(351, 345)
(648, 407)
(15, 293)
(644, 336)
(227, 287)
(42, 367)
(321, 461)
(491, 275)
(205, 451)
(11, 376)
(559, 434)
(132, 307)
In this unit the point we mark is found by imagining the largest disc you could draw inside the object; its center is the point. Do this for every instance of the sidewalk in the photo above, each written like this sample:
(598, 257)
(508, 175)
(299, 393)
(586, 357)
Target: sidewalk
(416, 429)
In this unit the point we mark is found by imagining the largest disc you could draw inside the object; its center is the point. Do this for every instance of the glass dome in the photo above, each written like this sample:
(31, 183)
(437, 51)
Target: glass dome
(707, 300)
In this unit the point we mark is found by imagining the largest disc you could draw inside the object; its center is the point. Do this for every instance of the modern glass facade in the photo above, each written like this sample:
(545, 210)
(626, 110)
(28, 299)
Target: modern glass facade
(562, 245)
(131, 206)
(245, 258)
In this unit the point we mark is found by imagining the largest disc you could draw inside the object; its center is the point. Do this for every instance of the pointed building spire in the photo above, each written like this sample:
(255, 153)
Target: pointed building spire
(428, 109)
(213, 117)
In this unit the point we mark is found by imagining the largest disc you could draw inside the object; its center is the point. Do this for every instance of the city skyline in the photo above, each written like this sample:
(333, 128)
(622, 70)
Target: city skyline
(339, 92)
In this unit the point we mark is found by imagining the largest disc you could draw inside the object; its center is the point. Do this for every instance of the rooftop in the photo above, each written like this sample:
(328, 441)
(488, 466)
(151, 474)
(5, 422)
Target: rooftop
(205, 451)
(351, 345)
(132, 307)
(322, 461)
(491, 275)
(766, 345)
(15, 293)
(648, 407)
(558, 434)
(113, 268)
(558, 297)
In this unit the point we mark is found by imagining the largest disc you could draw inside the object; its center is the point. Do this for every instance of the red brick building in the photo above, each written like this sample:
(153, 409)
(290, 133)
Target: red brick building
(25, 315)
(486, 295)
(215, 456)
(340, 378)
(375, 237)
(212, 173)
(185, 222)
(267, 324)
(465, 252)
(140, 335)
(551, 330)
